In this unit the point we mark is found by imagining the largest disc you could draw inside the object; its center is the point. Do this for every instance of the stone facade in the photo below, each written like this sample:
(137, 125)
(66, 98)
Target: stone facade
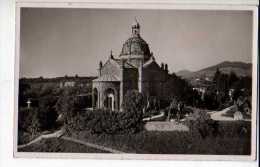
(134, 69)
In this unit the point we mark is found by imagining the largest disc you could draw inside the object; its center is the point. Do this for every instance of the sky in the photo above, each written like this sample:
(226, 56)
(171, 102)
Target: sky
(59, 42)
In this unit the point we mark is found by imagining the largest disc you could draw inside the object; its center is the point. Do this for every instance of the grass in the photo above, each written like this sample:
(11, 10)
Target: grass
(59, 145)
(231, 141)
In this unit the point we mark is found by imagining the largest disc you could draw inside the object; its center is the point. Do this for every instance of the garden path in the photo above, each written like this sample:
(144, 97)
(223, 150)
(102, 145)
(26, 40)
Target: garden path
(47, 136)
(92, 145)
(59, 133)
(154, 117)
(165, 126)
(219, 115)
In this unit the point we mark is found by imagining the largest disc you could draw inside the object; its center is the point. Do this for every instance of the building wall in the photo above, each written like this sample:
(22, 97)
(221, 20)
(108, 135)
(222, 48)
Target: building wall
(130, 80)
(102, 88)
(154, 79)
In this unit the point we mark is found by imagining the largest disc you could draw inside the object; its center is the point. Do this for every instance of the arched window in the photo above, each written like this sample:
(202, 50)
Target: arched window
(110, 99)
(95, 97)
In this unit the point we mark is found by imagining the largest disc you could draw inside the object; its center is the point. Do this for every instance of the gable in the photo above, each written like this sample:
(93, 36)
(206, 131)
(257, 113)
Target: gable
(110, 68)
(152, 66)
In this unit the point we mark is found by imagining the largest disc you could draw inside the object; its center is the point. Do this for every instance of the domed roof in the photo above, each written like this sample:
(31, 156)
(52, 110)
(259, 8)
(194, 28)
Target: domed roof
(135, 46)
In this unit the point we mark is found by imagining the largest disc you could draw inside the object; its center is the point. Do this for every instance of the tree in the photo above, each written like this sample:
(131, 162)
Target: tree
(23, 88)
(216, 75)
(28, 124)
(133, 101)
(232, 78)
(243, 87)
(66, 105)
(47, 113)
(181, 90)
(132, 115)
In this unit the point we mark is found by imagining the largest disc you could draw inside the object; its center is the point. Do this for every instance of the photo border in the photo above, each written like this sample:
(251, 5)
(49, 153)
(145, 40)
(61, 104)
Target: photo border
(128, 5)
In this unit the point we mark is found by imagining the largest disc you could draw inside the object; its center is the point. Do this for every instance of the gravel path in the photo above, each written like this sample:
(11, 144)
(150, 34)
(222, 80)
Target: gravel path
(165, 126)
(47, 136)
(91, 145)
(218, 115)
(59, 133)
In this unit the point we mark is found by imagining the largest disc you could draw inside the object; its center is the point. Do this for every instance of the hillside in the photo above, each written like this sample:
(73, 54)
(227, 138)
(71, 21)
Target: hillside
(184, 73)
(240, 68)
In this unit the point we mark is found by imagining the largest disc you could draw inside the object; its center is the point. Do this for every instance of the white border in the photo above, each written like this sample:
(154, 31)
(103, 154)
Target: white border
(176, 2)
(142, 5)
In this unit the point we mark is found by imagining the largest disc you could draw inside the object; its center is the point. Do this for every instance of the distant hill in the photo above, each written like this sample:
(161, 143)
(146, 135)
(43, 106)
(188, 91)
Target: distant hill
(184, 73)
(240, 68)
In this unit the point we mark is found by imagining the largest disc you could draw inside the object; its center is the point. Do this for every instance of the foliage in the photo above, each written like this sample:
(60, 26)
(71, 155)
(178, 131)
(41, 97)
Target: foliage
(234, 139)
(39, 117)
(211, 100)
(28, 124)
(103, 121)
(66, 105)
(133, 102)
(217, 96)
(46, 112)
(132, 115)
(181, 90)
(201, 124)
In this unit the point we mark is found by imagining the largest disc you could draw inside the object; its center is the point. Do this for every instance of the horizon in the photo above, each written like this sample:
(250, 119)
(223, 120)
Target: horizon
(73, 41)
(89, 76)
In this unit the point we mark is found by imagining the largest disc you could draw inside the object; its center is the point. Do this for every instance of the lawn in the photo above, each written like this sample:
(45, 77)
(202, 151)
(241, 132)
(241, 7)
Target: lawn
(59, 145)
(231, 141)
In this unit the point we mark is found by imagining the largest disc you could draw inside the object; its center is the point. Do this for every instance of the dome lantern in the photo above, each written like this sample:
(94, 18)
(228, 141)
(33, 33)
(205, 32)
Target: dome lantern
(135, 28)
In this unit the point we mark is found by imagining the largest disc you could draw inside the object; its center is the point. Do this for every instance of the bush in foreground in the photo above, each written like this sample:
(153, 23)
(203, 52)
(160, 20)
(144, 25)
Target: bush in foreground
(104, 121)
(201, 124)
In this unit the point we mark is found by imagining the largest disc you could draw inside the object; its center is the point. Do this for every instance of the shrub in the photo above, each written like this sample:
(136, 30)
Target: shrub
(201, 124)
(132, 115)
(107, 122)
(112, 122)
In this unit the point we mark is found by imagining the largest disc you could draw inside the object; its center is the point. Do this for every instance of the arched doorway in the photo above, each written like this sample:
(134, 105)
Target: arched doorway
(95, 98)
(110, 99)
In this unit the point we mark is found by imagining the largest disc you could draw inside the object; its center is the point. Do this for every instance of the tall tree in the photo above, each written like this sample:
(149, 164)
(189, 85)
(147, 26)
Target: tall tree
(232, 78)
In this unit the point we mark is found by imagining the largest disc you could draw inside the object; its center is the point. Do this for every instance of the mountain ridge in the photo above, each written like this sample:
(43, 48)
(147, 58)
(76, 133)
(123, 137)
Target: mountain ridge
(240, 68)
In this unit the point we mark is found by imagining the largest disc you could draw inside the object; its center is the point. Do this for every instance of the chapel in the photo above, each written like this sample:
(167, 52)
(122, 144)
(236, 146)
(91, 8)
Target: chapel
(135, 68)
